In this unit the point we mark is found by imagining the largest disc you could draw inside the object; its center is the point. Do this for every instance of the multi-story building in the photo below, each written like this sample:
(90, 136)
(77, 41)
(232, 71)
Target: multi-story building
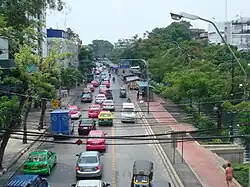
(57, 38)
(235, 32)
(199, 34)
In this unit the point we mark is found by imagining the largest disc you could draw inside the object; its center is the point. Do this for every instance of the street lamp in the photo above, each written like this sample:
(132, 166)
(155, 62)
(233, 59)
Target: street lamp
(179, 16)
(147, 70)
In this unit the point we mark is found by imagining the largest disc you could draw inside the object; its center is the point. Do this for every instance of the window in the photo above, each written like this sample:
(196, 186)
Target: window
(88, 160)
(37, 158)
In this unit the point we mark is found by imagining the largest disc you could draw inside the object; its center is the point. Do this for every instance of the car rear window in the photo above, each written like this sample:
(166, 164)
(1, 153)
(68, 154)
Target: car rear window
(88, 160)
(36, 158)
(105, 82)
(86, 121)
(108, 102)
(105, 115)
(95, 135)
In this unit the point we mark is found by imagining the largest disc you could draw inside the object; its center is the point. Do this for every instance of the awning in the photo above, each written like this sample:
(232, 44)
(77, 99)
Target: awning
(134, 78)
(143, 84)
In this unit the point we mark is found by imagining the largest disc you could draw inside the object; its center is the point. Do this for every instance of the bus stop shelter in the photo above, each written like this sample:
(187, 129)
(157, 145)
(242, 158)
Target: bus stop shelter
(142, 88)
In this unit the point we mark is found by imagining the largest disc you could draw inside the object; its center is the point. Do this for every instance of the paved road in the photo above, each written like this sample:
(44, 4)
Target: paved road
(117, 160)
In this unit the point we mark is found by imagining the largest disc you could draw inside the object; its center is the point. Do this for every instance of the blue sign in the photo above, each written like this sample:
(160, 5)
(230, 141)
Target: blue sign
(124, 64)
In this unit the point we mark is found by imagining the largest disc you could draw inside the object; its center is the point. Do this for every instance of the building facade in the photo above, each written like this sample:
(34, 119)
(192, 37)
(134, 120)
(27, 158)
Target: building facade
(235, 32)
(58, 38)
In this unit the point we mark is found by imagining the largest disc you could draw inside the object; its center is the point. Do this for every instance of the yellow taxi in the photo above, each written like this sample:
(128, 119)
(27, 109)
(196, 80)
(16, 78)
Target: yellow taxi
(105, 118)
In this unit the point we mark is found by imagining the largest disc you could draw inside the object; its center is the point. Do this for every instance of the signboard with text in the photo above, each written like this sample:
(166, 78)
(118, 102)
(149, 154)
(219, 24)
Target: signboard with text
(124, 64)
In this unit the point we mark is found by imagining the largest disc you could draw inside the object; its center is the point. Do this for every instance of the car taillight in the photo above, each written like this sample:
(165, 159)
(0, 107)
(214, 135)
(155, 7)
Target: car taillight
(25, 167)
(43, 166)
(77, 168)
(97, 168)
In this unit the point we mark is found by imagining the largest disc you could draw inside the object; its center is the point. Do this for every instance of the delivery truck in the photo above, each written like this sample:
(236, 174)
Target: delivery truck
(61, 123)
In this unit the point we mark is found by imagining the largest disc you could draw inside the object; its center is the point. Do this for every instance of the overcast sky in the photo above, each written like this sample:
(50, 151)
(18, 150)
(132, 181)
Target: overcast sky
(114, 19)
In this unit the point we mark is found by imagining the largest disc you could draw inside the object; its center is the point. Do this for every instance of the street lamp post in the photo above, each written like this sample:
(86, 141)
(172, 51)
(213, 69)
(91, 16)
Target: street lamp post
(178, 16)
(147, 72)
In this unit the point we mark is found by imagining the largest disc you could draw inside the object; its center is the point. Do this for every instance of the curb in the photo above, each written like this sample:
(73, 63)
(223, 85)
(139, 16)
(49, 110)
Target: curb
(14, 161)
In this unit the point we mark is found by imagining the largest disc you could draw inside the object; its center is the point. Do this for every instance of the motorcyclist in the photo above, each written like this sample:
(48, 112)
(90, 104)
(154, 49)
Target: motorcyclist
(113, 79)
(128, 100)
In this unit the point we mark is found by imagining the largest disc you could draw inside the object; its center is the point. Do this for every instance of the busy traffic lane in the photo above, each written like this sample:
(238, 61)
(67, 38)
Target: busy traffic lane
(125, 155)
(63, 174)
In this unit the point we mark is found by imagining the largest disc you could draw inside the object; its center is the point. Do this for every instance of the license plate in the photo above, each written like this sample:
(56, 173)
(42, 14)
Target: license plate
(34, 168)
(87, 169)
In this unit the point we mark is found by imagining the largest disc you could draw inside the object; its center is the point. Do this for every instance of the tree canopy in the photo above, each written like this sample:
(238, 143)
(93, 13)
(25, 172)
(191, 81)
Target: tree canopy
(101, 48)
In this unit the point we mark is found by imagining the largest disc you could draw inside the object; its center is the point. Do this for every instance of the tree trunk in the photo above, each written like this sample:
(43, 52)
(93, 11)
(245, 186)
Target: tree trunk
(36, 104)
(18, 122)
(43, 109)
(26, 114)
(6, 137)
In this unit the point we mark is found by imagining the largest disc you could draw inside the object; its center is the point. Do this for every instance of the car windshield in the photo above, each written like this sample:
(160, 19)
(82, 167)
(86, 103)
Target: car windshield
(87, 121)
(86, 96)
(108, 102)
(72, 108)
(95, 135)
(102, 86)
(88, 160)
(105, 115)
(37, 158)
(100, 97)
(139, 178)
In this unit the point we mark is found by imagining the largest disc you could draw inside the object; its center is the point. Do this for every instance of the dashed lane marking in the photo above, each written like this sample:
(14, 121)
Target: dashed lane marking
(113, 159)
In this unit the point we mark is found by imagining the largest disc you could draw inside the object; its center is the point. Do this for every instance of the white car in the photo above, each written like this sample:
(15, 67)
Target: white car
(100, 98)
(108, 105)
(90, 183)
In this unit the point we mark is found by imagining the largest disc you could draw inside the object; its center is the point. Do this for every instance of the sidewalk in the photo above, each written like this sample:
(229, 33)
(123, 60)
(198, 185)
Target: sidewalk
(201, 161)
(16, 149)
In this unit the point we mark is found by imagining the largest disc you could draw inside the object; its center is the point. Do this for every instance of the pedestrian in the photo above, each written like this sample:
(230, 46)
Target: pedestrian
(229, 174)
(138, 95)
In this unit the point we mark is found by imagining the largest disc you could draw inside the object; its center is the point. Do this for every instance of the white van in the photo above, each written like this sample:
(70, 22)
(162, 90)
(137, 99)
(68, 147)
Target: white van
(128, 112)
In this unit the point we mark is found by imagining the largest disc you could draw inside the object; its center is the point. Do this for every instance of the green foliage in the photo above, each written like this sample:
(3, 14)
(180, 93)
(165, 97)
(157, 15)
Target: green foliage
(70, 76)
(86, 59)
(240, 173)
(8, 110)
(101, 48)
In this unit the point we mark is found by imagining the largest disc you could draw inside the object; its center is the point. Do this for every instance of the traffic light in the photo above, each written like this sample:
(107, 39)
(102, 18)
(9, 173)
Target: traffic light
(78, 142)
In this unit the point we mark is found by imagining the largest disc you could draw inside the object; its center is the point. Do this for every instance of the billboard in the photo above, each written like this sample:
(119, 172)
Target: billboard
(124, 64)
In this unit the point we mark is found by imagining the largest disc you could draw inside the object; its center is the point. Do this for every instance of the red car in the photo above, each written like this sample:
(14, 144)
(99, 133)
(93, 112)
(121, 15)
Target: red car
(75, 112)
(98, 144)
(103, 89)
(94, 111)
(106, 83)
(95, 83)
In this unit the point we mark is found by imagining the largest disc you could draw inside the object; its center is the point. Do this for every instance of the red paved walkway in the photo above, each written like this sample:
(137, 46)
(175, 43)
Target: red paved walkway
(195, 156)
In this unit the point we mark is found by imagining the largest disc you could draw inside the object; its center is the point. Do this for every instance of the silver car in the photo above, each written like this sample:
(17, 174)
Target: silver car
(90, 183)
(89, 165)
(100, 98)
(108, 105)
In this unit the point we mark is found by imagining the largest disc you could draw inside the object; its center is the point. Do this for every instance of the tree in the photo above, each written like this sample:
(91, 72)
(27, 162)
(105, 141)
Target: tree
(86, 59)
(101, 48)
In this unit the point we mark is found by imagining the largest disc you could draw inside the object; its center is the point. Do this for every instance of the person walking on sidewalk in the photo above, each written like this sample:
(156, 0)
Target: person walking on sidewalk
(138, 95)
(229, 174)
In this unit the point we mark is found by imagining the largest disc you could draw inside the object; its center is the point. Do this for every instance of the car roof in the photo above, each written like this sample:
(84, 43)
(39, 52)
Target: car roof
(108, 100)
(89, 153)
(40, 152)
(105, 112)
(89, 183)
(101, 95)
(96, 132)
(21, 180)
(94, 106)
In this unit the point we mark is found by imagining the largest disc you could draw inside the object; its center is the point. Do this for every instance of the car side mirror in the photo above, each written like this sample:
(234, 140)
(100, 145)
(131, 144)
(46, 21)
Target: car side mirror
(101, 154)
(105, 133)
(73, 185)
(77, 155)
(106, 184)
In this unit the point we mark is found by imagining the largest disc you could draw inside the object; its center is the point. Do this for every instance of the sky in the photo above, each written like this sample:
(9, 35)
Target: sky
(115, 19)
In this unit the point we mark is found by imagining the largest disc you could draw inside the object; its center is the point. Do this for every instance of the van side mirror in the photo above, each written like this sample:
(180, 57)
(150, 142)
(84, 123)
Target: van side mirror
(73, 185)
(77, 155)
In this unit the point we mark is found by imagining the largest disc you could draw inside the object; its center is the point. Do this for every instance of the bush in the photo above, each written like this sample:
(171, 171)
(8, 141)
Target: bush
(240, 173)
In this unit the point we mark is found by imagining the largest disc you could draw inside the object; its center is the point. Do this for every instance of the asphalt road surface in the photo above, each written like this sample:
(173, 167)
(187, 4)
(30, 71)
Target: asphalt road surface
(118, 159)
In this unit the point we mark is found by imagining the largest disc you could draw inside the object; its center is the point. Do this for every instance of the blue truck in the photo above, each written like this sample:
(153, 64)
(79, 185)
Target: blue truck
(61, 123)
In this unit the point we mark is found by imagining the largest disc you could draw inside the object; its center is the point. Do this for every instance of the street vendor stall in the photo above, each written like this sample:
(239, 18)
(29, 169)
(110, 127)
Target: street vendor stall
(142, 88)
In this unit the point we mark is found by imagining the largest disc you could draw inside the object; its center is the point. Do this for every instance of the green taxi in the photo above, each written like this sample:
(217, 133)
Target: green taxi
(105, 118)
(40, 162)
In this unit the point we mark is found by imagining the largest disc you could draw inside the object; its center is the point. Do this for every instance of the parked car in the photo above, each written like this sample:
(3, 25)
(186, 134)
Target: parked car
(96, 144)
(86, 98)
(91, 87)
(100, 98)
(90, 183)
(75, 112)
(94, 110)
(40, 162)
(89, 165)
(85, 126)
(106, 83)
(95, 83)
(108, 105)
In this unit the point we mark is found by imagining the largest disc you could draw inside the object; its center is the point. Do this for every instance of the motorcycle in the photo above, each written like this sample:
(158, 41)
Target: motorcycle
(113, 79)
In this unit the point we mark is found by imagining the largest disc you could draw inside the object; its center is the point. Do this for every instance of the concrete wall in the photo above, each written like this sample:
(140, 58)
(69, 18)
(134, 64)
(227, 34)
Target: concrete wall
(232, 152)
